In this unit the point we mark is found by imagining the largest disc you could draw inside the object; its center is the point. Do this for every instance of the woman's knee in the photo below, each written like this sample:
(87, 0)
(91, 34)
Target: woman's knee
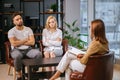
(46, 54)
(52, 54)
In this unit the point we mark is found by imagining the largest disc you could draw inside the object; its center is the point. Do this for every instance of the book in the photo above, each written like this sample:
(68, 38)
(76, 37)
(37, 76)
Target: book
(75, 51)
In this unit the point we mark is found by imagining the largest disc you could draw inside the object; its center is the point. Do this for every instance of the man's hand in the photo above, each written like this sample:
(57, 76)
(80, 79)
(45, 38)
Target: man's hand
(16, 42)
(29, 41)
(25, 41)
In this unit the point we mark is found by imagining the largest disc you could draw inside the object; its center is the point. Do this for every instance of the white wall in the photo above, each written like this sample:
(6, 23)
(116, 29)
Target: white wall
(91, 9)
(72, 11)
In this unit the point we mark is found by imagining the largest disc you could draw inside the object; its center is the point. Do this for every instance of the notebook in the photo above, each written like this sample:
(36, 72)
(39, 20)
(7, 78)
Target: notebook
(75, 51)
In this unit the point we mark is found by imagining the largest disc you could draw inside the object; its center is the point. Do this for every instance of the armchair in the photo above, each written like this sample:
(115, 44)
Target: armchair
(98, 67)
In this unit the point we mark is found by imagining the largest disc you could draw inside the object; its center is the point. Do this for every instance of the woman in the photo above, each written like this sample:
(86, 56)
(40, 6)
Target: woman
(52, 38)
(99, 45)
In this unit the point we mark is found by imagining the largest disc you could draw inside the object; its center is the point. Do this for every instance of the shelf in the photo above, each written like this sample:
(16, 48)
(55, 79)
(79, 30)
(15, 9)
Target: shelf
(9, 13)
(51, 12)
(43, 12)
(0, 30)
(31, 0)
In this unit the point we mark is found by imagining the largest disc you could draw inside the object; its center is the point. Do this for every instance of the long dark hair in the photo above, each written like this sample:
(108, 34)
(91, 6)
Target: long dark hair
(98, 30)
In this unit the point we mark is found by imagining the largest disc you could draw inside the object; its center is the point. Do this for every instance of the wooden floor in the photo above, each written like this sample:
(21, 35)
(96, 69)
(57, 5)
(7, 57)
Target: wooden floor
(4, 76)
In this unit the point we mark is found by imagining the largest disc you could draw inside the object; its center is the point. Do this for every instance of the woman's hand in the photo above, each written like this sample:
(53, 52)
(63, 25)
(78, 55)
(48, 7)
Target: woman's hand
(80, 55)
(58, 39)
(46, 39)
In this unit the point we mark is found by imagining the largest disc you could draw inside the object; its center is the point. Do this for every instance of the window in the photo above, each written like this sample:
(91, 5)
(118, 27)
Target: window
(111, 16)
(109, 12)
(83, 20)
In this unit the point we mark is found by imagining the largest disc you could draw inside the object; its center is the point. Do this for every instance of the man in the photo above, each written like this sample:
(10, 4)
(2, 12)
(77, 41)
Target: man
(21, 39)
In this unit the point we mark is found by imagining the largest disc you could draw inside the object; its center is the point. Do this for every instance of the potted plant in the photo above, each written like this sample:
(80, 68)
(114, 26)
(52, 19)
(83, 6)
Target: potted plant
(73, 35)
(54, 7)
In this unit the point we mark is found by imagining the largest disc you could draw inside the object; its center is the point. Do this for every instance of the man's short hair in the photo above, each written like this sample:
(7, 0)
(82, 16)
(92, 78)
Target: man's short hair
(15, 14)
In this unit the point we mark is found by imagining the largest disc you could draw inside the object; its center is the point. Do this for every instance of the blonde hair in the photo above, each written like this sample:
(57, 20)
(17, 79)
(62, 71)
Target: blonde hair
(47, 22)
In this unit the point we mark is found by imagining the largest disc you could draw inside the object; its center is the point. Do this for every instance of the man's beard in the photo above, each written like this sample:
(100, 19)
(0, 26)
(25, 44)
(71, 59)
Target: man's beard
(21, 24)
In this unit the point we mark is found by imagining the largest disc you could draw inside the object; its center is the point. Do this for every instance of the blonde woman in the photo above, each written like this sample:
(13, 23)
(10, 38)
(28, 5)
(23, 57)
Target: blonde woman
(52, 38)
(99, 45)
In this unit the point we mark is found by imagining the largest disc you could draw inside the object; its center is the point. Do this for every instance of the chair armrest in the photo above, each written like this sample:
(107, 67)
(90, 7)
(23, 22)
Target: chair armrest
(7, 51)
(41, 47)
(65, 45)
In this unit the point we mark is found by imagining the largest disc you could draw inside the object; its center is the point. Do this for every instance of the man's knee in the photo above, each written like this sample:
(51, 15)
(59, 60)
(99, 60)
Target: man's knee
(34, 53)
(16, 54)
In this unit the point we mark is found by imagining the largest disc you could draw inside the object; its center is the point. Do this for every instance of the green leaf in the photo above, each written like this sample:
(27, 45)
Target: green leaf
(83, 34)
(65, 32)
(68, 25)
(78, 34)
(76, 29)
(74, 23)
